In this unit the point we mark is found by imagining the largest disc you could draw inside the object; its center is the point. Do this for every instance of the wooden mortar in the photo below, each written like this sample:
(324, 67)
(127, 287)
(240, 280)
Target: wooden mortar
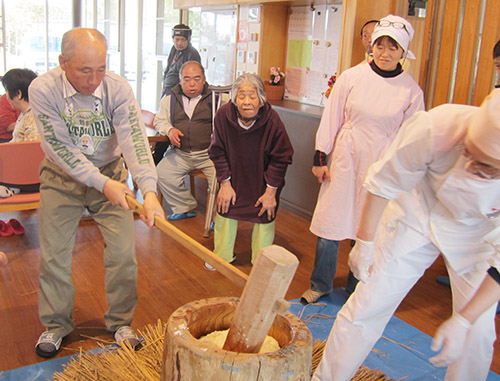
(186, 358)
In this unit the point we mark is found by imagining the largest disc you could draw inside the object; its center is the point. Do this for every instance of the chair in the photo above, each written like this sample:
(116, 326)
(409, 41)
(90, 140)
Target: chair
(148, 118)
(209, 213)
(220, 96)
(19, 165)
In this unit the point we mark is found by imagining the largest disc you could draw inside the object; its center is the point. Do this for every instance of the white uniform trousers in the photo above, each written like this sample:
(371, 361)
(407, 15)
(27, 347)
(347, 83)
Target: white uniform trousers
(361, 321)
(172, 172)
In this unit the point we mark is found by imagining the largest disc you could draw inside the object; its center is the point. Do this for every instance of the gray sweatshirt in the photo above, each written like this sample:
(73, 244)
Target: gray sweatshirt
(82, 133)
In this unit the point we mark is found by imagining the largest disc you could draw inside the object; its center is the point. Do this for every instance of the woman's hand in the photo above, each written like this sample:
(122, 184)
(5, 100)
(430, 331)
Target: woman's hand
(322, 173)
(268, 202)
(226, 197)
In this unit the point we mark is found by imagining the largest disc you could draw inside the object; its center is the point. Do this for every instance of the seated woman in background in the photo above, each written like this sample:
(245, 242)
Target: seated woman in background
(251, 152)
(8, 117)
(16, 83)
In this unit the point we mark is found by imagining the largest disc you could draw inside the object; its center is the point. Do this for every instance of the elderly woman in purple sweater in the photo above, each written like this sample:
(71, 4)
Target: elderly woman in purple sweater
(251, 152)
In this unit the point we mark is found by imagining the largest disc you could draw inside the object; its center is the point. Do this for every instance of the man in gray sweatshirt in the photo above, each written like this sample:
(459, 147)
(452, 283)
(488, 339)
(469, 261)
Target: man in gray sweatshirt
(88, 119)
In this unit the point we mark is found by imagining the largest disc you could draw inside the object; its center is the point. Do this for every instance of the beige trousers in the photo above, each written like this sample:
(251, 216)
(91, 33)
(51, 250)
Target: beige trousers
(62, 203)
(172, 172)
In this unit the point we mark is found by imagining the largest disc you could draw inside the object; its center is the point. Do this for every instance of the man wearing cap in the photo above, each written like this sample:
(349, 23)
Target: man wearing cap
(436, 190)
(181, 52)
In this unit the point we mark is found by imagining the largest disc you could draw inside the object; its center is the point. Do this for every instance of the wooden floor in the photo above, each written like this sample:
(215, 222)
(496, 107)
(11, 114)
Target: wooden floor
(169, 277)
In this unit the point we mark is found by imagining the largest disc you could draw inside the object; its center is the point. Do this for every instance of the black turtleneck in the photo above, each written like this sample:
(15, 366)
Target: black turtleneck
(386, 73)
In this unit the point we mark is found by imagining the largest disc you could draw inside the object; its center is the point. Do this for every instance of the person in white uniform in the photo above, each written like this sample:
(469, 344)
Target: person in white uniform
(442, 177)
(368, 104)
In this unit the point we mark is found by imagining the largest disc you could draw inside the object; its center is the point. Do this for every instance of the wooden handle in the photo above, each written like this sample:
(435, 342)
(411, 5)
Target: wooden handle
(229, 271)
(262, 296)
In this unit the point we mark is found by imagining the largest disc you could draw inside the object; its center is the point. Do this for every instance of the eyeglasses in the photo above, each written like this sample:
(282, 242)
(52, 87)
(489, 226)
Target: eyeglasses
(479, 169)
(395, 24)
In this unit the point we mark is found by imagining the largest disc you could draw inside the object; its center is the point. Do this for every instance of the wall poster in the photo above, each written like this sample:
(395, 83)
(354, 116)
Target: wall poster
(313, 50)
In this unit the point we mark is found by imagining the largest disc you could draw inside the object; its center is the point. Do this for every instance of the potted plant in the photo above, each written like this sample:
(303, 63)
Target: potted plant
(331, 82)
(275, 87)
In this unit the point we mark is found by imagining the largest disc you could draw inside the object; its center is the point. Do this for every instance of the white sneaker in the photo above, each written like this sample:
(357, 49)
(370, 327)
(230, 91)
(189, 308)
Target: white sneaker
(48, 345)
(211, 268)
(126, 334)
(310, 296)
(208, 267)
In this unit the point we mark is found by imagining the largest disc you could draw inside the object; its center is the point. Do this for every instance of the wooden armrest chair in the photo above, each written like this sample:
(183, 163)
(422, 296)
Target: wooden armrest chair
(19, 165)
(220, 96)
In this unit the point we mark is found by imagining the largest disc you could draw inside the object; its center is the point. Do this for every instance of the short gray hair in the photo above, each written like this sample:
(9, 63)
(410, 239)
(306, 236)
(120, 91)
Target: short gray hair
(252, 80)
(192, 62)
(72, 38)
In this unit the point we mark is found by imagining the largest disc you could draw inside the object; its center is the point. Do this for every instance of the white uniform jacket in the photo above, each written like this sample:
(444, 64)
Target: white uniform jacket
(458, 216)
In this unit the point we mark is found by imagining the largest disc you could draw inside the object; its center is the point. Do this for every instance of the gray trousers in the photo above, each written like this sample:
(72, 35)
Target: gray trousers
(62, 203)
(172, 172)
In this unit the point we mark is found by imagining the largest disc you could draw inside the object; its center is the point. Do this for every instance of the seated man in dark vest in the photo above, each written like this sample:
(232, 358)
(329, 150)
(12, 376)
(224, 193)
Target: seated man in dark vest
(185, 116)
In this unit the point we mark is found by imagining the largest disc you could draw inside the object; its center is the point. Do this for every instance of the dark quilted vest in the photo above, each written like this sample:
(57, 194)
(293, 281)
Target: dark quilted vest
(197, 131)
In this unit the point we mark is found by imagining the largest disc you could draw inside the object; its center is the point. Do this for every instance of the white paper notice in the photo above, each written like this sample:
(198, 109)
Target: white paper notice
(317, 84)
(300, 23)
(318, 58)
(319, 22)
(334, 23)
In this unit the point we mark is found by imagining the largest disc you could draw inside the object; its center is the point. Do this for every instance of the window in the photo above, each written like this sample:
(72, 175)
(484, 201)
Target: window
(138, 34)
(155, 50)
(33, 30)
(218, 42)
(138, 46)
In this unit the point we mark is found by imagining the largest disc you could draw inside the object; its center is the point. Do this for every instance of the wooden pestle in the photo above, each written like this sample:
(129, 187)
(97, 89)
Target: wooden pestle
(229, 271)
(262, 298)
(263, 293)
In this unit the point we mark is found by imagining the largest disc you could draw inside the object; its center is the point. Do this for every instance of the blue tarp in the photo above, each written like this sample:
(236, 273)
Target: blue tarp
(394, 360)
(388, 356)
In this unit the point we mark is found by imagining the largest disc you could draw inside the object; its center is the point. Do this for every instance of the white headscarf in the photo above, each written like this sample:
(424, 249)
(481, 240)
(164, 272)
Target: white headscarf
(402, 36)
(484, 128)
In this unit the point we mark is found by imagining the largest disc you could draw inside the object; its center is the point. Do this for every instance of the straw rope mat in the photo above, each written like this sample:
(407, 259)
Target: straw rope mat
(125, 364)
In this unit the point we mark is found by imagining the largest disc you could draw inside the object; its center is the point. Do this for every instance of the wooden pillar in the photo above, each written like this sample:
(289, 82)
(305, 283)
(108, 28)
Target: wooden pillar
(273, 35)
